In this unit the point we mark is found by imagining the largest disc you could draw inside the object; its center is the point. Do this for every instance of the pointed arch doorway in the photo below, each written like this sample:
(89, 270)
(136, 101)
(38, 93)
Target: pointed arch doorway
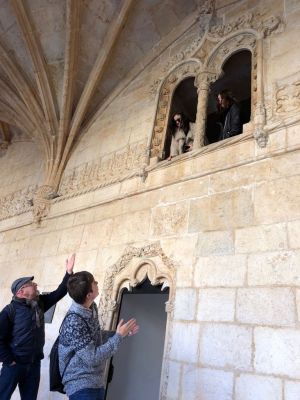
(138, 364)
(143, 271)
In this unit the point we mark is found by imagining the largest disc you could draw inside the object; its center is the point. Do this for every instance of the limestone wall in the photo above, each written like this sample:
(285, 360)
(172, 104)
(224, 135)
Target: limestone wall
(226, 221)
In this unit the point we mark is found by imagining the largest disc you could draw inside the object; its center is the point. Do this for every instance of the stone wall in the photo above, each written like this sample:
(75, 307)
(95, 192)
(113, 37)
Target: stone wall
(225, 222)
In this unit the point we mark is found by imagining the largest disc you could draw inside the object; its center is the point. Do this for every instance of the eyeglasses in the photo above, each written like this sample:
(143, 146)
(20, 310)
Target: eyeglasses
(177, 119)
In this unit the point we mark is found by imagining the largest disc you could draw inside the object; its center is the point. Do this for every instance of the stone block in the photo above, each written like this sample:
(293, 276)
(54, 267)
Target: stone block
(169, 220)
(185, 340)
(294, 234)
(216, 305)
(215, 243)
(131, 227)
(84, 217)
(222, 211)
(277, 352)
(70, 239)
(254, 387)
(173, 380)
(220, 271)
(273, 201)
(206, 384)
(263, 306)
(184, 190)
(261, 238)
(226, 346)
(185, 304)
(96, 235)
(276, 268)
(298, 303)
(291, 390)
(51, 243)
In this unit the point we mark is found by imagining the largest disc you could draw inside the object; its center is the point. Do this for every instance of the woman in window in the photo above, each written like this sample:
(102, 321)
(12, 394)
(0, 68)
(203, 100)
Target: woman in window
(182, 135)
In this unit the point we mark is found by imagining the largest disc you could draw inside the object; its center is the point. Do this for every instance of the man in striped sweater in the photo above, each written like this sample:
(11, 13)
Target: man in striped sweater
(83, 347)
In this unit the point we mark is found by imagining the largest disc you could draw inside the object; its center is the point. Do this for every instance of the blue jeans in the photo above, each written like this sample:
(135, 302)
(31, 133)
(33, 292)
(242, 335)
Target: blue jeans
(88, 394)
(26, 376)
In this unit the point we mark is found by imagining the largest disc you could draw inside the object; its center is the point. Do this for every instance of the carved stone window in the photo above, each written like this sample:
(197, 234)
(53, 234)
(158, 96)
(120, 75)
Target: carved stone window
(236, 77)
(184, 101)
(166, 94)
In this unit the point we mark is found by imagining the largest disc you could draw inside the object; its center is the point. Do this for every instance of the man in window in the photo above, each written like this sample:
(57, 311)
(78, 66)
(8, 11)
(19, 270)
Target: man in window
(230, 115)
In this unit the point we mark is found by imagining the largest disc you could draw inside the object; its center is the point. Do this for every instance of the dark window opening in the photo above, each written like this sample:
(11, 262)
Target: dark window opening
(236, 79)
(138, 362)
(184, 101)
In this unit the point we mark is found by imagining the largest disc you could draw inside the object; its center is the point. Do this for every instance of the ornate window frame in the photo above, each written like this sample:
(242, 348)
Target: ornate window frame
(218, 44)
(186, 69)
(132, 268)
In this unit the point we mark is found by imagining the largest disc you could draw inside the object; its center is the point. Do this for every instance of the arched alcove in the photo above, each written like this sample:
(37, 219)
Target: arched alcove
(236, 77)
(132, 269)
(184, 100)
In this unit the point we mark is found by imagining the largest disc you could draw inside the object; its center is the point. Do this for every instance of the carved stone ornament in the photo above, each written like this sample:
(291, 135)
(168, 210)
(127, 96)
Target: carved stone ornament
(41, 202)
(266, 25)
(185, 70)
(122, 164)
(133, 267)
(17, 203)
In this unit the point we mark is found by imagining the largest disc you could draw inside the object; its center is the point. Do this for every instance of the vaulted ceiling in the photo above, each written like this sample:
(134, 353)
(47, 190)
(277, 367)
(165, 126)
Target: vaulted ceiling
(60, 60)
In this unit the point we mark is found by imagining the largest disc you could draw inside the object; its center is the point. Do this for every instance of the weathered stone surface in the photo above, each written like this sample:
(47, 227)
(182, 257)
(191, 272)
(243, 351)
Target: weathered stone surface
(277, 268)
(294, 234)
(130, 227)
(220, 271)
(216, 305)
(274, 200)
(226, 346)
(211, 384)
(277, 351)
(264, 306)
(70, 239)
(185, 304)
(174, 380)
(185, 342)
(215, 243)
(221, 211)
(261, 238)
(250, 387)
(169, 220)
(96, 235)
(291, 390)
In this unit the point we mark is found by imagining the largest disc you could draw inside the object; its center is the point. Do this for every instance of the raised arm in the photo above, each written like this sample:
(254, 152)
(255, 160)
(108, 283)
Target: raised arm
(52, 298)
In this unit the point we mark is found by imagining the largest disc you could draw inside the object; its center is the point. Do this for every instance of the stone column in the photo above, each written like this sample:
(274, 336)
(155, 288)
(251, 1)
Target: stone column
(260, 134)
(202, 82)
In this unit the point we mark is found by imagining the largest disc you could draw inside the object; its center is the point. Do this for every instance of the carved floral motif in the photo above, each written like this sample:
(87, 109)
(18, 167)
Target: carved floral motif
(288, 98)
(17, 203)
(104, 171)
(250, 20)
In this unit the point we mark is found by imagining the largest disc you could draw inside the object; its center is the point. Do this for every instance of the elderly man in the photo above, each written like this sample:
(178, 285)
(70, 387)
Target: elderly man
(22, 335)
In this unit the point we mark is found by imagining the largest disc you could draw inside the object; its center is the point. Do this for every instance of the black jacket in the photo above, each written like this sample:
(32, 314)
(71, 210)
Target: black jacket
(232, 124)
(21, 338)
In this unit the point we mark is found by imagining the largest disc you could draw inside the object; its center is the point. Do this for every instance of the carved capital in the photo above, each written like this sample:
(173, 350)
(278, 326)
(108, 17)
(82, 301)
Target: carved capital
(204, 79)
(41, 202)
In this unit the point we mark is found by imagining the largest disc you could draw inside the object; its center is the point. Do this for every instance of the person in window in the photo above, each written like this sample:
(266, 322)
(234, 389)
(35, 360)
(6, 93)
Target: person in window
(182, 135)
(230, 115)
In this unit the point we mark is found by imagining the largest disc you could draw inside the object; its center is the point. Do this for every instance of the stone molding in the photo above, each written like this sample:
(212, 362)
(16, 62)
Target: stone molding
(18, 202)
(118, 166)
(132, 268)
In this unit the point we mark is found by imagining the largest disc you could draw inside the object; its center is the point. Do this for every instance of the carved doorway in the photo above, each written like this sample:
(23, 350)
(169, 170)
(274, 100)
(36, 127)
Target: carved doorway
(138, 363)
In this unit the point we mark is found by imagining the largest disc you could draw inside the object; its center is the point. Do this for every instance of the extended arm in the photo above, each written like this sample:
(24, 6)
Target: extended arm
(52, 298)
